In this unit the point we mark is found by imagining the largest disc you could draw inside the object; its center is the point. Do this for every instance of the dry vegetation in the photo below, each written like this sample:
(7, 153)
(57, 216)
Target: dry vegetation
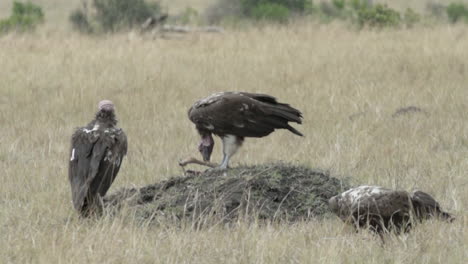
(347, 83)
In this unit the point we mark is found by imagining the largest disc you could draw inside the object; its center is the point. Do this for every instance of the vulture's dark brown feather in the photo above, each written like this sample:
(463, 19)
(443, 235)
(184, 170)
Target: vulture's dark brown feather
(426, 207)
(243, 115)
(96, 155)
(383, 209)
(234, 116)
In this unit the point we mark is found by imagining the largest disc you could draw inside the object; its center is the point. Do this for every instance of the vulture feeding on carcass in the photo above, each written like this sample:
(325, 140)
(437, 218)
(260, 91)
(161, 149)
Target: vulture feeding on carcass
(381, 209)
(234, 116)
(96, 154)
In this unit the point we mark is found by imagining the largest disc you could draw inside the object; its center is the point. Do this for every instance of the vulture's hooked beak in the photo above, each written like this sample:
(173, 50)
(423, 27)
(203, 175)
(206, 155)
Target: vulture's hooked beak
(206, 147)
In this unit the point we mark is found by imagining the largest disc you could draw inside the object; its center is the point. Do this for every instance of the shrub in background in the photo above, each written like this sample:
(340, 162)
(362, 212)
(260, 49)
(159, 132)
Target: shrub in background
(274, 10)
(24, 17)
(359, 12)
(114, 15)
(188, 16)
(335, 9)
(364, 13)
(270, 11)
(80, 21)
(341, 9)
(357, 5)
(223, 10)
(378, 16)
(457, 12)
(410, 17)
(299, 6)
(436, 10)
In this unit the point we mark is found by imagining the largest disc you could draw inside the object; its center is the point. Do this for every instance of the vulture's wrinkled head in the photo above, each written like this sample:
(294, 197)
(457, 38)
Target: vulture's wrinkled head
(106, 113)
(106, 105)
(206, 146)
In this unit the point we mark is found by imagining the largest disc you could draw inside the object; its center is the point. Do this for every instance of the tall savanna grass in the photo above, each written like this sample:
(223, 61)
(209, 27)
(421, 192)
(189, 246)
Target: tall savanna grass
(347, 83)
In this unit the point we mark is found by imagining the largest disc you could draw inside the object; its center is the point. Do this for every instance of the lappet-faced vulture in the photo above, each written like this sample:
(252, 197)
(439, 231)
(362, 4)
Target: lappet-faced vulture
(96, 154)
(234, 116)
(381, 209)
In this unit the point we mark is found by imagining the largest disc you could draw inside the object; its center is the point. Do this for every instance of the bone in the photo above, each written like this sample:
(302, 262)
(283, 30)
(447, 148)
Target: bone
(192, 160)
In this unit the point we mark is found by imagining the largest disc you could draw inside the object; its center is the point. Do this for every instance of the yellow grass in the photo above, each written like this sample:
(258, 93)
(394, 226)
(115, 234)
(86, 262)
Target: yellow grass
(50, 82)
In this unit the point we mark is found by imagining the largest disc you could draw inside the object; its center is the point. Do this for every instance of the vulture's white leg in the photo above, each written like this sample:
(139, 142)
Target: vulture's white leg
(231, 144)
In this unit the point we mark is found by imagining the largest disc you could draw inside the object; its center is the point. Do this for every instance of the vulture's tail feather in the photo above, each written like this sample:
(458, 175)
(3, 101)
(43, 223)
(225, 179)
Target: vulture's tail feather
(295, 131)
(286, 112)
(282, 114)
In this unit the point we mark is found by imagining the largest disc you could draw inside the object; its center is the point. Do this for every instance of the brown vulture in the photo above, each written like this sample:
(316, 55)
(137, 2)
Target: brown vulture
(234, 116)
(381, 209)
(96, 154)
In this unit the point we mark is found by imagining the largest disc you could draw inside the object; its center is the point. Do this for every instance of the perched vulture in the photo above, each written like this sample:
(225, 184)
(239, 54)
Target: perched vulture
(97, 151)
(382, 209)
(234, 116)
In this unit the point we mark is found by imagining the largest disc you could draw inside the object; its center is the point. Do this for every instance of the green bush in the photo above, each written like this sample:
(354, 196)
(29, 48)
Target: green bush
(223, 10)
(274, 10)
(25, 17)
(456, 12)
(80, 21)
(357, 5)
(410, 17)
(339, 4)
(271, 11)
(336, 9)
(436, 10)
(360, 12)
(378, 16)
(114, 15)
(298, 6)
(189, 16)
(342, 9)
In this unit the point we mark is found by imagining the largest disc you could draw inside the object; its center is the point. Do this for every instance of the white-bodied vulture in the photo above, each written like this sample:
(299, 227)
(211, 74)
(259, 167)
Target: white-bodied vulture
(234, 116)
(381, 209)
(96, 154)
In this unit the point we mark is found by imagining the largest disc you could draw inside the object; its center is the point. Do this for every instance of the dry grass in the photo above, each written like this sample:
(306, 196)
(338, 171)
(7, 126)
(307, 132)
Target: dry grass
(51, 82)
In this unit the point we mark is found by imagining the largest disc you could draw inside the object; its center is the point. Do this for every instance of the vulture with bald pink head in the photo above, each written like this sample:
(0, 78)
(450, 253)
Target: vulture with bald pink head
(233, 116)
(96, 154)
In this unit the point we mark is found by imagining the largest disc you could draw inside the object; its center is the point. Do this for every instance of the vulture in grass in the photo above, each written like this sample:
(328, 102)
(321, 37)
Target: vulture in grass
(381, 209)
(96, 154)
(234, 116)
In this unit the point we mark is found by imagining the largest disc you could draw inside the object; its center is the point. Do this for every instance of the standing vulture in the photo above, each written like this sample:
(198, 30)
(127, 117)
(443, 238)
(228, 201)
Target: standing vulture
(382, 209)
(97, 151)
(234, 116)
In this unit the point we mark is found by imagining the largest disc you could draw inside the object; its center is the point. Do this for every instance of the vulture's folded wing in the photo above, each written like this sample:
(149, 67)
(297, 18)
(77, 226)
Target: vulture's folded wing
(81, 155)
(244, 116)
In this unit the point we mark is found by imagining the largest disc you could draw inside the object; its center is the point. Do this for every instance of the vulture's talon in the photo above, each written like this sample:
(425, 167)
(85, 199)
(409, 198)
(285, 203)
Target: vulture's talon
(192, 173)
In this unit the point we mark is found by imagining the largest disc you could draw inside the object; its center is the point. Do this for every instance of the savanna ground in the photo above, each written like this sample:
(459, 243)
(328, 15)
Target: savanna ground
(347, 83)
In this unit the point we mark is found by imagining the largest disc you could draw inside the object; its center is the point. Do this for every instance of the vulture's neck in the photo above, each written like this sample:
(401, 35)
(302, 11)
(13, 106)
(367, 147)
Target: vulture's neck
(106, 119)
